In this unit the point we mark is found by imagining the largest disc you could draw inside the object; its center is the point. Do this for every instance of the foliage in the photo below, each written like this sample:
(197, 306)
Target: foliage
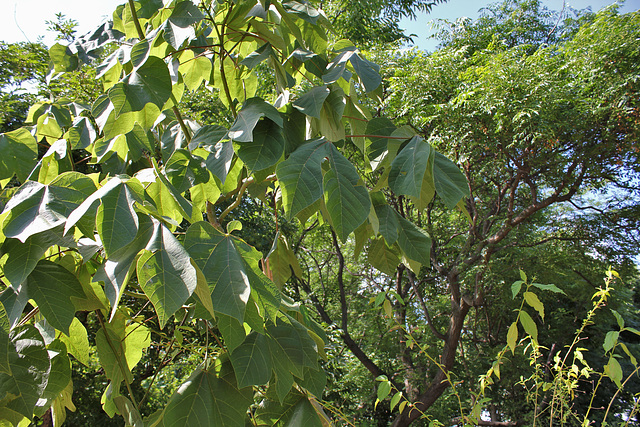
(20, 64)
(139, 247)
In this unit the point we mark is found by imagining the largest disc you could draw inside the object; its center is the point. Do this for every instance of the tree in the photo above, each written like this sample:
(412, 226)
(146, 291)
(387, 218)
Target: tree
(536, 127)
(135, 242)
(20, 63)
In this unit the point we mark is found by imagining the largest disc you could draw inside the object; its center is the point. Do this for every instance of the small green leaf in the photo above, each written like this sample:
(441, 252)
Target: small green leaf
(610, 340)
(529, 325)
(523, 276)
(512, 337)
(148, 84)
(368, 72)
(534, 302)
(413, 241)
(347, 201)
(384, 388)
(619, 318)
(515, 288)
(552, 288)
(77, 342)
(395, 400)
(383, 258)
(29, 365)
(614, 371)
(219, 260)
(386, 305)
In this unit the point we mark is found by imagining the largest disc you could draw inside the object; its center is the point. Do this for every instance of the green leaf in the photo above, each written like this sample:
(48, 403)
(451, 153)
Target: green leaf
(128, 411)
(610, 340)
(209, 398)
(23, 257)
(110, 342)
(296, 410)
(255, 58)
(77, 341)
(314, 381)
(614, 371)
(287, 350)
(516, 287)
(34, 209)
(383, 389)
(408, 168)
(165, 273)
(119, 267)
(347, 202)
(116, 220)
(383, 258)
(451, 184)
(232, 331)
(387, 219)
(413, 241)
(148, 84)
(217, 257)
(534, 302)
(266, 148)
(512, 336)
(184, 170)
(29, 365)
(552, 288)
(523, 276)
(619, 319)
(331, 125)
(248, 117)
(377, 129)
(63, 59)
(177, 28)
(59, 374)
(300, 176)
(368, 72)
(194, 70)
(53, 288)
(395, 400)
(19, 154)
(311, 102)
(251, 361)
(529, 325)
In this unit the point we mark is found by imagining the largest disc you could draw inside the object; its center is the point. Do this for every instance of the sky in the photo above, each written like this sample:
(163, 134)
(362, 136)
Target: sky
(24, 20)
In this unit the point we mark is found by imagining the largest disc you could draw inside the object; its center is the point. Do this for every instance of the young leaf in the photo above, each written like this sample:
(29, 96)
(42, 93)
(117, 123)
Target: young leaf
(529, 325)
(534, 302)
(512, 336)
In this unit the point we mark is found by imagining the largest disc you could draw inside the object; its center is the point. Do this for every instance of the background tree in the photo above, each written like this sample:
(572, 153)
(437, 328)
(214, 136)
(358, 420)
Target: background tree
(136, 252)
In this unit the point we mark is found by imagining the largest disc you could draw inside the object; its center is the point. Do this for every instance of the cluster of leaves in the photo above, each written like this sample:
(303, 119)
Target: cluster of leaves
(149, 217)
